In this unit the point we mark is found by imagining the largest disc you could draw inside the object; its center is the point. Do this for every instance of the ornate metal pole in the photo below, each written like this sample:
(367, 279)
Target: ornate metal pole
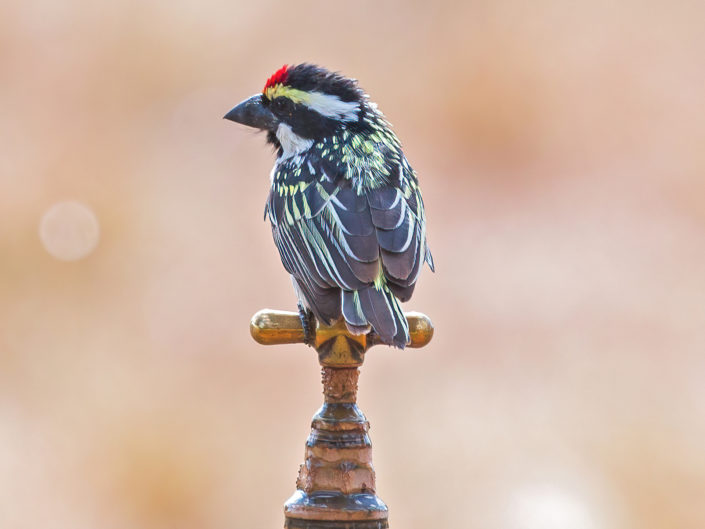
(336, 484)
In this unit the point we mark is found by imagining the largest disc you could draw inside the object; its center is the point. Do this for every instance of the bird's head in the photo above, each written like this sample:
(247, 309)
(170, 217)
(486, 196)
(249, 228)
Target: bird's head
(302, 103)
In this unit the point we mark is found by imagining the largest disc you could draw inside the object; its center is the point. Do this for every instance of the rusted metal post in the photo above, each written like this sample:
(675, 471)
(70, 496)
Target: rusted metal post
(336, 484)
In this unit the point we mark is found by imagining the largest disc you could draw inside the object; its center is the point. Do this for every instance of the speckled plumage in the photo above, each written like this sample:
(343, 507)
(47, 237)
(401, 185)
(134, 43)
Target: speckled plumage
(345, 205)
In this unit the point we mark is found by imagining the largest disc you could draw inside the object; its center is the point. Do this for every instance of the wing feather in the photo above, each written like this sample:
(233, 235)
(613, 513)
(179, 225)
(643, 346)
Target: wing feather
(364, 245)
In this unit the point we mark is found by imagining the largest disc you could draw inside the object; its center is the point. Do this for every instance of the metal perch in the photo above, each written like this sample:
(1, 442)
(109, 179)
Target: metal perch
(335, 488)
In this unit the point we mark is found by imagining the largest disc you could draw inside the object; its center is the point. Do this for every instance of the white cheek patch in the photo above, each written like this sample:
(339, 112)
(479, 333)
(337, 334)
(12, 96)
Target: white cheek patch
(332, 106)
(291, 142)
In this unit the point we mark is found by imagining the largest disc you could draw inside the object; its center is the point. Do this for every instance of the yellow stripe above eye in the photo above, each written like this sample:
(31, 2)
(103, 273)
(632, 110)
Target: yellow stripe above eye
(280, 90)
(326, 104)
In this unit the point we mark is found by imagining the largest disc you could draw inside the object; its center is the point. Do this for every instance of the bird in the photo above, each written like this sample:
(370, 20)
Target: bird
(345, 206)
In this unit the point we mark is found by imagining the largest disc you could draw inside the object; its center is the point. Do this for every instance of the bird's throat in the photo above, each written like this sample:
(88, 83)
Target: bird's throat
(291, 143)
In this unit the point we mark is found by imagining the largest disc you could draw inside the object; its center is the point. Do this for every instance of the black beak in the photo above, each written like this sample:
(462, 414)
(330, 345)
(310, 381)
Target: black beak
(253, 113)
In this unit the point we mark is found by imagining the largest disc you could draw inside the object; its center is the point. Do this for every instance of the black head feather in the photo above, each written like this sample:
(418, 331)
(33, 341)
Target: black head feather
(310, 77)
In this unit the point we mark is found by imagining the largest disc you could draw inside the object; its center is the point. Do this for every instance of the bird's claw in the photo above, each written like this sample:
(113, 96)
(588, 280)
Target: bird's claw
(308, 322)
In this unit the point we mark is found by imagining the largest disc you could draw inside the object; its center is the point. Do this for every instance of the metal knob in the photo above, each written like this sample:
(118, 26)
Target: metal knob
(336, 484)
(335, 345)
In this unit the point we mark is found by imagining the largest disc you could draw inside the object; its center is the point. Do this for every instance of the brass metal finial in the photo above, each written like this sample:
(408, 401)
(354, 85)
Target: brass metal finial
(336, 346)
(335, 488)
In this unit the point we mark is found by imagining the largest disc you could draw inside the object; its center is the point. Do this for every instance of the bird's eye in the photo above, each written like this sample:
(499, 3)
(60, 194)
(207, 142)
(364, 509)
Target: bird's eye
(281, 104)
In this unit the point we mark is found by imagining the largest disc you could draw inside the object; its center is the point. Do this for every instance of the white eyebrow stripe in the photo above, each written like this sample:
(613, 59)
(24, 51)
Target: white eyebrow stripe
(332, 106)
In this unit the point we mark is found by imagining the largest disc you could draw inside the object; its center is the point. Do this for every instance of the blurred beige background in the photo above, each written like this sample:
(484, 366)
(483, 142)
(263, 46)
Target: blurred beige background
(560, 149)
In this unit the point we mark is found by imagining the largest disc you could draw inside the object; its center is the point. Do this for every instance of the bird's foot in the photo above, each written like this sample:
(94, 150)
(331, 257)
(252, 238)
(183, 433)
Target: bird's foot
(308, 322)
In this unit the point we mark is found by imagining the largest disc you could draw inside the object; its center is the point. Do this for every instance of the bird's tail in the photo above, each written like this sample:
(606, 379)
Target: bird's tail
(377, 306)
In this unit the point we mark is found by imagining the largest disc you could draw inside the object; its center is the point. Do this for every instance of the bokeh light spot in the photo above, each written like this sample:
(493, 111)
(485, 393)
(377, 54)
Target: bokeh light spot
(69, 231)
(546, 507)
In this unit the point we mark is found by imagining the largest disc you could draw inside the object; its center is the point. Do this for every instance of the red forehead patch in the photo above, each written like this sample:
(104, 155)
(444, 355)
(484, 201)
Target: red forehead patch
(278, 77)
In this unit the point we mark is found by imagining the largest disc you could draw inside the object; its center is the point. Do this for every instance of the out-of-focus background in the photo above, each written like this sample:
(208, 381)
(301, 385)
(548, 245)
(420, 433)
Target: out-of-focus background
(560, 150)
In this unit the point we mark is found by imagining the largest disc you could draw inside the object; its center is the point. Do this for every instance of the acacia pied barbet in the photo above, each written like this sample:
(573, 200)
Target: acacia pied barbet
(345, 205)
